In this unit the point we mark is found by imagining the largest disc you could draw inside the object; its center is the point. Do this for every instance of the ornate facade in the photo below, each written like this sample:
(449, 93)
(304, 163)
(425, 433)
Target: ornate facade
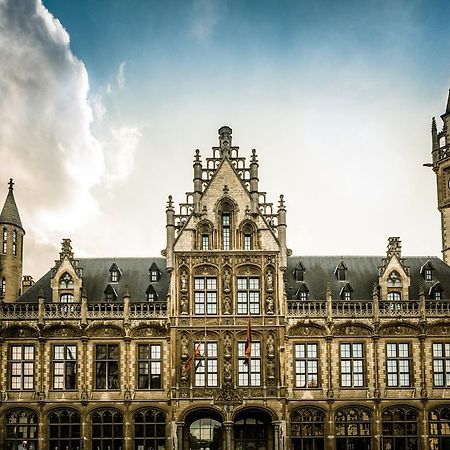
(227, 341)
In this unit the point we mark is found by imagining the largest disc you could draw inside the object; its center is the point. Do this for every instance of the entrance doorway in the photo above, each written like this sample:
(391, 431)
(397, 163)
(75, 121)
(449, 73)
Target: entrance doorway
(204, 429)
(253, 430)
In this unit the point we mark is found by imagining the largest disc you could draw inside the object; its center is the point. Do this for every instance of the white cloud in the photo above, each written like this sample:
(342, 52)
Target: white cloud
(121, 147)
(46, 121)
(121, 75)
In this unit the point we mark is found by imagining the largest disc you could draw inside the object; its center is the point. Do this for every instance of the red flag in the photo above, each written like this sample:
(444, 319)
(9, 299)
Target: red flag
(188, 364)
(248, 343)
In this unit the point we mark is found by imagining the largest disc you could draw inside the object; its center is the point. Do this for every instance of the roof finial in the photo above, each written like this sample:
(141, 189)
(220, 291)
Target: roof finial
(447, 111)
(11, 184)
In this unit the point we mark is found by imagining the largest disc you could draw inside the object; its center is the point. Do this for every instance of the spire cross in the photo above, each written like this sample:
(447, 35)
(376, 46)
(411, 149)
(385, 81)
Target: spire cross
(11, 184)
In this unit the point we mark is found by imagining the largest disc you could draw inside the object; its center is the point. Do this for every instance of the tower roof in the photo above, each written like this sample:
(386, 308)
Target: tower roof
(10, 213)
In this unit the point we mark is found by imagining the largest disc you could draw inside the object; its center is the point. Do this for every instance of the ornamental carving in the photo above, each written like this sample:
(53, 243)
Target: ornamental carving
(352, 330)
(20, 332)
(270, 347)
(63, 332)
(105, 332)
(148, 332)
(443, 330)
(305, 330)
(398, 330)
(227, 396)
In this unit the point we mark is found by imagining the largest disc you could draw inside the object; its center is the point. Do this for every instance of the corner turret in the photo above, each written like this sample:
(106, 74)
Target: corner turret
(11, 254)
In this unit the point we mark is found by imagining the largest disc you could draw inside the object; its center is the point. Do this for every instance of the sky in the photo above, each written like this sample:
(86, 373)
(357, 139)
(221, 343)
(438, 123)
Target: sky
(105, 101)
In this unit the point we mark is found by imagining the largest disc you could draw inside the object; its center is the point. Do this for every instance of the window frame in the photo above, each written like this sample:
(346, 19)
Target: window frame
(248, 306)
(22, 362)
(5, 241)
(306, 359)
(205, 298)
(445, 358)
(66, 362)
(253, 365)
(14, 242)
(398, 359)
(109, 363)
(150, 363)
(226, 230)
(206, 365)
(352, 359)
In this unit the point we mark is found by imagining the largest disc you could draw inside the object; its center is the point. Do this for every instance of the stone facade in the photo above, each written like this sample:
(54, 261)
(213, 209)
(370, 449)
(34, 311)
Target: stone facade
(228, 341)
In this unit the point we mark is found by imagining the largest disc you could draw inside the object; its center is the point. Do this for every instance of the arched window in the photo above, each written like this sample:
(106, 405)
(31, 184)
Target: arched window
(247, 237)
(66, 298)
(107, 429)
(226, 211)
(205, 433)
(5, 240)
(64, 429)
(3, 292)
(394, 279)
(66, 281)
(204, 236)
(14, 242)
(400, 429)
(149, 429)
(308, 429)
(394, 296)
(353, 428)
(21, 425)
(439, 424)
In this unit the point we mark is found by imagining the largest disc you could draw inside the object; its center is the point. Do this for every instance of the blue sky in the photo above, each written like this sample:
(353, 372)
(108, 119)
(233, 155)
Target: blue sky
(337, 97)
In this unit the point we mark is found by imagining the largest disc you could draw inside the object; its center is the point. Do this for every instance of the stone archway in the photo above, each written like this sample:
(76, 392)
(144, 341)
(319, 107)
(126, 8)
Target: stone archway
(203, 430)
(253, 430)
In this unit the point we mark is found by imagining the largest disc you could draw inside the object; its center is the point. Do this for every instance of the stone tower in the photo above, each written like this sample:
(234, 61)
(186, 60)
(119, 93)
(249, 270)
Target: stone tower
(441, 166)
(11, 251)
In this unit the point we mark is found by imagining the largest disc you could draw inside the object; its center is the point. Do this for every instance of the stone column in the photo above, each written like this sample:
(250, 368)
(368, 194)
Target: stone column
(228, 426)
(180, 435)
(276, 435)
(127, 431)
(376, 426)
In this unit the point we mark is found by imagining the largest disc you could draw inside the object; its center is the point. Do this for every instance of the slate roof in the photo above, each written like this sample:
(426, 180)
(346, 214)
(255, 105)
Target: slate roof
(96, 277)
(10, 213)
(362, 273)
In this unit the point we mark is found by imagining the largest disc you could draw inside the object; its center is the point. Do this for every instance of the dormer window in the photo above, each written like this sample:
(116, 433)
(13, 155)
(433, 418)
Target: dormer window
(302, 293)
(341, 271)
(154, 273)
(247, 237)
(435, 291)
(151, 294)
(346, 292)
(66, 298)
(114, 273)
(427, 271)
(110, 294)
(299, 272)
(66, 281)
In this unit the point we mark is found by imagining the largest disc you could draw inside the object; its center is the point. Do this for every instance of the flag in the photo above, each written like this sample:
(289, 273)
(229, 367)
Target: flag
(248, 343)
(188, 364)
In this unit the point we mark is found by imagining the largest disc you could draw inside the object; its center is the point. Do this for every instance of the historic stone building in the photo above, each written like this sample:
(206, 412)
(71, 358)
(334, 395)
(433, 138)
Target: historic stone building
(227, 341)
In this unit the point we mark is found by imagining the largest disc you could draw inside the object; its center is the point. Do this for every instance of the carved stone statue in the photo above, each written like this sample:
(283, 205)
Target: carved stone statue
(269, 305)
(184, 305)
(269, 281)
(270, 346)
(183, 281)
(226, 280)
(227, 305)
(227, 370)
(184, 347)
(270, 369)
(227, 346)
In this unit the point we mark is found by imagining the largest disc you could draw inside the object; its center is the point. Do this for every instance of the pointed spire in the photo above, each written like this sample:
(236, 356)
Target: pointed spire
(433, 125)
(447, 111)
(10, 213)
